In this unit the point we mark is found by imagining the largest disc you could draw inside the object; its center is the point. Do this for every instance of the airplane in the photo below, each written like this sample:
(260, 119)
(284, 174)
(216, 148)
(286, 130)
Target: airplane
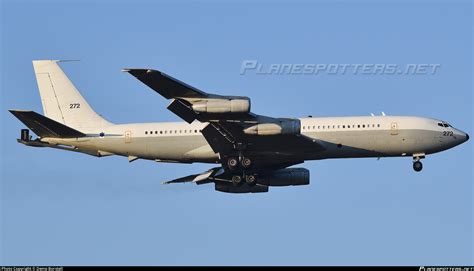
(253, 152)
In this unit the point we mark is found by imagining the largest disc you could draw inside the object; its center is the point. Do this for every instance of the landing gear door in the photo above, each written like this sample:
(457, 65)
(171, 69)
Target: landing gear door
(128, 136)
(394, 128)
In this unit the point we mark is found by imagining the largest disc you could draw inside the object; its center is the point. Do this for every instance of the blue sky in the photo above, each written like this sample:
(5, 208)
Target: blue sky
(70, 209)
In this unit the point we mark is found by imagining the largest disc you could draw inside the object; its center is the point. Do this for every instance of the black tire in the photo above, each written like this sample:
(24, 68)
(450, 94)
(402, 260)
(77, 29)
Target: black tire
(246, 162)
(251, 180)
(232, 163)
(417, 166)
(236, 180)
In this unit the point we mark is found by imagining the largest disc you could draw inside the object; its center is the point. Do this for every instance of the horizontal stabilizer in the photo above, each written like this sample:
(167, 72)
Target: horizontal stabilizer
(45, 127)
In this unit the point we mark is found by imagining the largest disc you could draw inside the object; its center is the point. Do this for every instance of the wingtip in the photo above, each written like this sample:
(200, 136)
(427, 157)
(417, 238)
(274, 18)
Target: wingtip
(139, 70)
(13, 111)
(67, 60)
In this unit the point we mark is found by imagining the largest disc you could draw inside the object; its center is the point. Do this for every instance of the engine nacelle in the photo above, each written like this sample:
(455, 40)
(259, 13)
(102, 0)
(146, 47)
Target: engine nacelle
(244, 188)
(237, 105)
(283, 127)
(285, 177)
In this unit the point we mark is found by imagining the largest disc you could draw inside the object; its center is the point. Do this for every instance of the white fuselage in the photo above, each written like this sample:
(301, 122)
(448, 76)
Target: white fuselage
(342, 137)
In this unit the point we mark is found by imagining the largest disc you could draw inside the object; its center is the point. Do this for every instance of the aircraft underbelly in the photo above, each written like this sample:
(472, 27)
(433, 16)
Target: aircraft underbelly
(374, 143)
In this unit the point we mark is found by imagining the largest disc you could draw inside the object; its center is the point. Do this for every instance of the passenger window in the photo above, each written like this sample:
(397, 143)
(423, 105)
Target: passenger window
(358, 126)
(343, 126)
(146, 132)
(378, 125)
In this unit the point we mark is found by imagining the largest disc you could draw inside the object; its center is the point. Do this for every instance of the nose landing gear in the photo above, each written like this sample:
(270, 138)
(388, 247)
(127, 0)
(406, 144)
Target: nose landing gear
(417, 165)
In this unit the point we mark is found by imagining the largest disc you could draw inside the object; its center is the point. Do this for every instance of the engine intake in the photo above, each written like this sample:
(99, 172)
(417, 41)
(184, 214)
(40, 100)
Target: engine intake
(283, 127)
(238, 105)
(285, 177)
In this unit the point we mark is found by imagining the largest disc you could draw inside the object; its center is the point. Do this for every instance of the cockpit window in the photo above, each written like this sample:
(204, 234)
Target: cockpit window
(444, 124)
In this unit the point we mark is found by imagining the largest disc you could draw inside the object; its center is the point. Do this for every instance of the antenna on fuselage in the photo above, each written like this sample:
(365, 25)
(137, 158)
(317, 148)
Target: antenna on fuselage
(383, 114)
(372, 114)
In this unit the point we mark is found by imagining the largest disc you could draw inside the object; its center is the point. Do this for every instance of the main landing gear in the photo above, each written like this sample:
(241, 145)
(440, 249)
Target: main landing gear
(250, 179)
(233, 162)
(417, 165)
(239, 165)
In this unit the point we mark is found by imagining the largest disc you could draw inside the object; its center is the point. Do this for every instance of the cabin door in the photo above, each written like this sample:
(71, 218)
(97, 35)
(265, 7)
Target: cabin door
(128, 136)
(394, 128)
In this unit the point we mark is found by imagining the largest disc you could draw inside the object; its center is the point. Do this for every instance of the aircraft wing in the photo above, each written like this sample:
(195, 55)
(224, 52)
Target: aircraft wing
(232, 126)
(185, 98)
(166, 85)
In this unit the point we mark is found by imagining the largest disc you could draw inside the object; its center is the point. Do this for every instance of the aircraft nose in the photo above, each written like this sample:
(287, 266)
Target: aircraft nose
(467, 137)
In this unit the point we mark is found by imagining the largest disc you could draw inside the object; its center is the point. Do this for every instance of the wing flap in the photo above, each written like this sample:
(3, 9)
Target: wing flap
(182, 110)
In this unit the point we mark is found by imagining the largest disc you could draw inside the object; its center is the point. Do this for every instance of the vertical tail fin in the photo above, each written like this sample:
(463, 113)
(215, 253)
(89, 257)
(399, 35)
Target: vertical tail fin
(61, 100)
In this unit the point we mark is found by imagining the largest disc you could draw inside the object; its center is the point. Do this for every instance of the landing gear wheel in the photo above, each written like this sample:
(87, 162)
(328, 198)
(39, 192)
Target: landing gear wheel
(236, 180)
(417, 166)
(232, 163)
(246, 162)
(251, 180)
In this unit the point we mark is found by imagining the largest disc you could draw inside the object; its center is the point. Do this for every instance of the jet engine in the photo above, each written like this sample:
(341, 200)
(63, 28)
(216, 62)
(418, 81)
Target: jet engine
(230, 105)
(244, 188)
(282, 127)
(285, 177)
